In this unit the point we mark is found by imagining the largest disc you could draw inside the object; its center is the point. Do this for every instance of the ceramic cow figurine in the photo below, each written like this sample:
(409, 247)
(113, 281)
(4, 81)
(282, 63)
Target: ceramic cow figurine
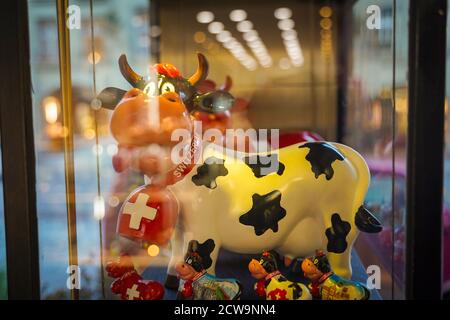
(295, 199)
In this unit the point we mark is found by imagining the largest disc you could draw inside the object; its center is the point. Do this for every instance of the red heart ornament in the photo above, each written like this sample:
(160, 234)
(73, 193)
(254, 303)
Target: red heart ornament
(151, 290)
(131, 287)
(118, 268)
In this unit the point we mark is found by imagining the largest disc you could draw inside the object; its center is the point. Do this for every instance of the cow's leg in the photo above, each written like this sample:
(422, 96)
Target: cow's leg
(340, 262)
(339, 236)
(340, 231)
(177, 244)
(201, 236)
(214, 255)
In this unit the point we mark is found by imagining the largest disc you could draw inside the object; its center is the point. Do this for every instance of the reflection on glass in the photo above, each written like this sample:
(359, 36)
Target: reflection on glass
(280, 64)
(381, 138)
(3, 278)
(446, 204)
(114, 22)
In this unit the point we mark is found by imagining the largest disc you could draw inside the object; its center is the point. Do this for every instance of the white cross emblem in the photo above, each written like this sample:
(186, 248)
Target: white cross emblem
(133, 292)
(139, 210)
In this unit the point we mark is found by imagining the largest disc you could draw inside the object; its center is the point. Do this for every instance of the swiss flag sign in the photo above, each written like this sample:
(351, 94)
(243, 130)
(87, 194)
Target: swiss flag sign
(149, 214)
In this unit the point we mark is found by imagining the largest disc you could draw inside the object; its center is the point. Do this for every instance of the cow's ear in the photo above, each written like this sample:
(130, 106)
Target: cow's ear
(110, 97)
(192, 246)
(214, 101)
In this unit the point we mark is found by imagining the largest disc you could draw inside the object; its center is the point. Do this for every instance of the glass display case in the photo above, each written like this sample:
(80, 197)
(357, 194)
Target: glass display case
(377, 127)
(446, 205)
(113, 80)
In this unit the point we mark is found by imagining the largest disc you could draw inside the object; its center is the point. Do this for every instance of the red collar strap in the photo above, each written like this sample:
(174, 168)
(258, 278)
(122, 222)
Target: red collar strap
(199, 275)
(184, 167)
(325, 277)
(271, 275)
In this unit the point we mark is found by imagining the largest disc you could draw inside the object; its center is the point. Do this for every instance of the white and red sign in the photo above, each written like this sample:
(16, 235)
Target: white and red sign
(149, 214)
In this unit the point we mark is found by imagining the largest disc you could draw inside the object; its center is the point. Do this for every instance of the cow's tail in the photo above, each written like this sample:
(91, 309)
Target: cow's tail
(364, 220)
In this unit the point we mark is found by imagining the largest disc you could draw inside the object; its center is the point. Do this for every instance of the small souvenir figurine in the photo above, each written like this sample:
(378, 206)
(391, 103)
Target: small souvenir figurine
(200, 285)
(129, 283)
(326, 285)
(271, 284)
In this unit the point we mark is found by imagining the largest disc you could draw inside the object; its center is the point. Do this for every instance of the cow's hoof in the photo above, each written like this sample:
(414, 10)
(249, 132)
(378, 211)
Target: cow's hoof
(172, 282)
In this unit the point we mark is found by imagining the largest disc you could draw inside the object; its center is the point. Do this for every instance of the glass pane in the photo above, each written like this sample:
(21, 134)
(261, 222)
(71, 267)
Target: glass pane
(109, 19)
(446, 205)
(50, 185)
(127, 24)
(3, 279)
(378, 74)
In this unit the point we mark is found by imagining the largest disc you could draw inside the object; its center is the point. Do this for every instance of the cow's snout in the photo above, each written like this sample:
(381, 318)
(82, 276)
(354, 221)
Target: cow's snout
(172, 97)
(142, 120)
(308, 266)
(180, 266)
(132, 93)
(185, 271)
(256, 269)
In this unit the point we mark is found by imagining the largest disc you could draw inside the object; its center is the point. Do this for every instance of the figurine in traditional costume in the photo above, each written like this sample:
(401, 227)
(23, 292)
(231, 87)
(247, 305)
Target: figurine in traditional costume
(327, 285)
(196, 283)
(272, 285)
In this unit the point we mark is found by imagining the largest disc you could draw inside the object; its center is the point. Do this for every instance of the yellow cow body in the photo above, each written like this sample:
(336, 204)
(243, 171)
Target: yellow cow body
(215, 211)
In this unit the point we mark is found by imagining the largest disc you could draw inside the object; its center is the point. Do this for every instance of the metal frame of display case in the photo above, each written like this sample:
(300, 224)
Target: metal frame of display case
(425, 151)
(425, 173)
(17, 142)
(344, 27)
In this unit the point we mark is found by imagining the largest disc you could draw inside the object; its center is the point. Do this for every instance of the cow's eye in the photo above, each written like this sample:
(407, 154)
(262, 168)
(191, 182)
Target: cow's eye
(167, 87)
(150, 89)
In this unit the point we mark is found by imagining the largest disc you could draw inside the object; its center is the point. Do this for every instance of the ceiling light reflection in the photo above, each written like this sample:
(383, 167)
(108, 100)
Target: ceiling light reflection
(223, 36)
(215, 27)
(238, 15)
(283, 13)
(244, 26)
(205, 16)
(286, 24)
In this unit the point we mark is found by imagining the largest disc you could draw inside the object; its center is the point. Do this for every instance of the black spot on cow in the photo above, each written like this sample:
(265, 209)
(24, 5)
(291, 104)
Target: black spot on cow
(264, 165)
(203, 250)
(337, 233)
(265, 212)
(209, 171)
(367, 222)
(321, 155)
(296, 290)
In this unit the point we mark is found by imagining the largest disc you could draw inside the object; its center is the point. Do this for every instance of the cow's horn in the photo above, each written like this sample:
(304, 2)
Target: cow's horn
(227, 85)
(202, 70)
(128, 73)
